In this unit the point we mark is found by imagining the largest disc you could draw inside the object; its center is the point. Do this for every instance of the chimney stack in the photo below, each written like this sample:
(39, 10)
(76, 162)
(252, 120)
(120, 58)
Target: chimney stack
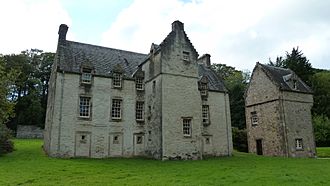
(205, 59)
(177, 25)
(62, 32)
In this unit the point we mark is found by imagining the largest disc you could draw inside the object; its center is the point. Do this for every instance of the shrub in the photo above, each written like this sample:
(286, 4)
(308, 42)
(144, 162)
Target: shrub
(240, 139)
(321, 126)
(6, 145)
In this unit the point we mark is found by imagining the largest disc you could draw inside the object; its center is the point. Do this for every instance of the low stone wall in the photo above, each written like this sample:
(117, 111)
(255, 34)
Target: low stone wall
(29, 132)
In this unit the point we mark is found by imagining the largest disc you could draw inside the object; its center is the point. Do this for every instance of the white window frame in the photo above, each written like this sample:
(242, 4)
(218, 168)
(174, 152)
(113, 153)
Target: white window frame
(186, 127)
(299, 144)
(117, 80)
(254, 118)
(139, 111)
(86, 76)
(84, 107)
(205, 114)
(116, 109)
(203, 88)
(139, 84)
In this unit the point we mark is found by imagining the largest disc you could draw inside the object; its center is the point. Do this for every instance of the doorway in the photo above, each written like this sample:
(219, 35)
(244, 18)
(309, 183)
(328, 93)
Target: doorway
(259, 146)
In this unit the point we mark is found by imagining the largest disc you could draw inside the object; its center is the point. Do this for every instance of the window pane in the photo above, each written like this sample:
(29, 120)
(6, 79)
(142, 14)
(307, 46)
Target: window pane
(139, 110)
(205, 114)
(84, 107)
(117, 80)
(116, 109)
(139, 84)
(186, 128)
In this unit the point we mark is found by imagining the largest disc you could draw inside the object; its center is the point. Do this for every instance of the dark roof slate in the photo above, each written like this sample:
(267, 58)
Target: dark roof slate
(277, 75)
(214, 82)
(73, 54)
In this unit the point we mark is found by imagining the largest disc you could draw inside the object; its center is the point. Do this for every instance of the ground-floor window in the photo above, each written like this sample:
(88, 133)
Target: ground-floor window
(299, 144)
(186, 127)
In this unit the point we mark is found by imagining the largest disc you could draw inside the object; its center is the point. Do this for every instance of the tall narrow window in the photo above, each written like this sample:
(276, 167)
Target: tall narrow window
(116, 109)
(299, 144)
(139, 83)
(186, 127)
(203, 89)
(154, 87)
(205, 115)
(139, 110)
(84, 107)
(86, 76)
(116, 80)
(254, 118)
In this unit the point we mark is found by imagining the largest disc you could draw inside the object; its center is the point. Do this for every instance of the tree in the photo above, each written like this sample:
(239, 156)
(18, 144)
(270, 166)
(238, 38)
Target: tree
(321, 126)
(297, 62)
(321, 88)
(31, 87)
(6, 108)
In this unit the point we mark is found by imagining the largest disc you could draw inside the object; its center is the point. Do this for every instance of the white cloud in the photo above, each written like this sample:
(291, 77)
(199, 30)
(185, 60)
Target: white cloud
(30, 24)
(238, 33)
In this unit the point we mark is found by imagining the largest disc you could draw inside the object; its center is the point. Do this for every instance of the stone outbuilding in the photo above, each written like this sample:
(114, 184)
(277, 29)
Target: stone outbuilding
(278, 113)
(105, 102)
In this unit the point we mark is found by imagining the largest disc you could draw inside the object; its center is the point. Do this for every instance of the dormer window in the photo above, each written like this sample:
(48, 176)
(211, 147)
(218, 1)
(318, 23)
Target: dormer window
(203, 89)
(116, 80)
(139, 83)
(294, 84)
(185, 56)
(86, 76)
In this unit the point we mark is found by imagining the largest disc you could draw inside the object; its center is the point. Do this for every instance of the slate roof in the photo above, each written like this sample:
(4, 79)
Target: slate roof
(215, 83)
(278, 76)
(103, 59)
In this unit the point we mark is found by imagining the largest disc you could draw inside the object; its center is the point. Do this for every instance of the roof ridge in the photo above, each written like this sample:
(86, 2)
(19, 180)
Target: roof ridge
(97, 46)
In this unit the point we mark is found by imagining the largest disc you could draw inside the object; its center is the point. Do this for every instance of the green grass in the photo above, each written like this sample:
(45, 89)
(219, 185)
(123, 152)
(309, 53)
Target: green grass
(323, 152)
(29, 166)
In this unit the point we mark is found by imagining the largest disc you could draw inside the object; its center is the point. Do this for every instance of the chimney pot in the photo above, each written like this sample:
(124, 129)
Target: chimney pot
(62, 32)
(177, 25)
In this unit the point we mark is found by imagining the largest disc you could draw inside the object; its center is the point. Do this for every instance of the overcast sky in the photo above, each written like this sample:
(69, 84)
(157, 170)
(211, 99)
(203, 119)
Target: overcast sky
(237, 32)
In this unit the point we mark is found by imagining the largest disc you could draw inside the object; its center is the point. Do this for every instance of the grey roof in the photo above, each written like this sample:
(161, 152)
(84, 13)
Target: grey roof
(215, 83)
(73, 54)
(279, 75)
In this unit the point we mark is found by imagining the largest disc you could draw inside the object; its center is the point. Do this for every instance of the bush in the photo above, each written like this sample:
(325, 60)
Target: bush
(6, 145)
(321, 126)
(240, 139)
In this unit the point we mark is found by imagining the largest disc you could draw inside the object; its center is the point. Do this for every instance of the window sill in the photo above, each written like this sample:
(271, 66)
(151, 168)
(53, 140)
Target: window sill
(299, 149)
(140, 121)
(84, 118)
(186, 136)
(116, 119)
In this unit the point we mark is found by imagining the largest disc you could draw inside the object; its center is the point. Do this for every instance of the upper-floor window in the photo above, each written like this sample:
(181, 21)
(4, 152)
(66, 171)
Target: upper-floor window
(294, 85)
(205, 115)
(117, 80)
(139, 110)
(139, 83)
(203, 89)
(254, 118)
(86, 76)
(116, 109)
(186, 127)
(299, 144)
(84, 107)
(185, 56)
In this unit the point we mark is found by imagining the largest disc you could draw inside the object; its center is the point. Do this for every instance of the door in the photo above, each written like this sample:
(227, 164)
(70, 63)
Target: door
(138, 144)
(259, 146)
(116, 144)
(83, 144)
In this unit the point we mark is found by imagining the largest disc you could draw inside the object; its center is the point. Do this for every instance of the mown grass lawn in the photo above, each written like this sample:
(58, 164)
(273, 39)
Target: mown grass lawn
(323, 152)
(29, 166)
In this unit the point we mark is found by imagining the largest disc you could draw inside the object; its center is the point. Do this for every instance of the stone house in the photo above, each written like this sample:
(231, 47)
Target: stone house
(166, 104)
(278, 113)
